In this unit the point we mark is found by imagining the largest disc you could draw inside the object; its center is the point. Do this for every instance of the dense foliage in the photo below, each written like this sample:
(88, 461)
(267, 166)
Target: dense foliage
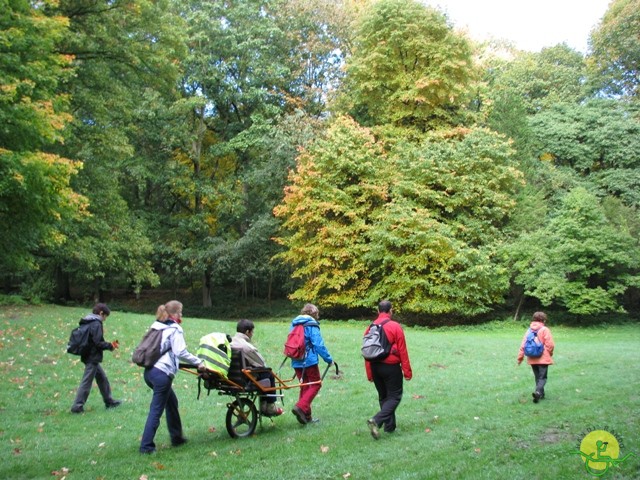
(616, 50)
(328, 151)
(408, 68)
(35, 193)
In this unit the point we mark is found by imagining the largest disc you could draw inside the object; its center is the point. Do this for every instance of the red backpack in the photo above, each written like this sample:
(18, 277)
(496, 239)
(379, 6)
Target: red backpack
(295, 346)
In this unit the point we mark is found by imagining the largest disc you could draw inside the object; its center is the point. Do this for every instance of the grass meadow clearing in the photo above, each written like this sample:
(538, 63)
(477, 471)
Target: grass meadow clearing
(466, 414)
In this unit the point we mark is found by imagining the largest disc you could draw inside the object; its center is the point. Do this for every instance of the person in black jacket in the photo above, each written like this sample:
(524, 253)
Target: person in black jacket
(92, 359)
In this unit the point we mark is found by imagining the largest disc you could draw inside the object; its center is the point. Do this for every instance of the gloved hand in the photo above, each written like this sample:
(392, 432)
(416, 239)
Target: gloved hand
(201, 367)
(115, 344)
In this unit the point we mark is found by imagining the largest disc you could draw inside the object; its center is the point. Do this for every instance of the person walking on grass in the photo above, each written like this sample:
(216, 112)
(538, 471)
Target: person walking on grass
(307, 369)
(387, 374)
(160, 377)
(539, 365)
(241, 342)
(92, 358)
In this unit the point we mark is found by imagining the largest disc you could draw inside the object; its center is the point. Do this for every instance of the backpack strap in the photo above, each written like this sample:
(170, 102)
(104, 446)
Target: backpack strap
(168, 338)
(538, 332)
(307, 340)
(381, 325)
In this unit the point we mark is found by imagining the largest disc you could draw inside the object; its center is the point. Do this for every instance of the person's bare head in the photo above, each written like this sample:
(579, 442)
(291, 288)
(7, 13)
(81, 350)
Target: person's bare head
(540, 317)
(172, 309)
(385, 306)
(311, 310)
(245, 326)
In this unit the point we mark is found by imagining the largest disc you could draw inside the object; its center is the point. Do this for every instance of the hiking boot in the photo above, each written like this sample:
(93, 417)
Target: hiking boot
(536, 396)
(300, 415)
(373, 427)
(114, 404)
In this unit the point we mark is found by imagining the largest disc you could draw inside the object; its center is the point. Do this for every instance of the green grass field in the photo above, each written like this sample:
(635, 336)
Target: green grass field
(467, 413)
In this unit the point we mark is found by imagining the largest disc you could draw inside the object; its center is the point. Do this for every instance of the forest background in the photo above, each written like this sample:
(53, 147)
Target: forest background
(334, 151)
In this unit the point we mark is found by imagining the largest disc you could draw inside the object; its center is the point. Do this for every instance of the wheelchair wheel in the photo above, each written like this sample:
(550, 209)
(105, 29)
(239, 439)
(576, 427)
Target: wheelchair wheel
(242, 418)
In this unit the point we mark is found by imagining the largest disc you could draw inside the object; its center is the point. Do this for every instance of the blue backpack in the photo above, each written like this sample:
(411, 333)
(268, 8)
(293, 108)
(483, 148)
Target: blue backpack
(533, 347)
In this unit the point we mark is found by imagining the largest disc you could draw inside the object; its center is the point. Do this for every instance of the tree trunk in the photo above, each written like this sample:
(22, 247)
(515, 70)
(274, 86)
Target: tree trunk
(206, 289)
(515, 317)
(63, 289)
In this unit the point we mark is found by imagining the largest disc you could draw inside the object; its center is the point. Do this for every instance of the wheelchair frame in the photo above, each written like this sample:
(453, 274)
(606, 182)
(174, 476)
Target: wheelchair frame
(243, 385)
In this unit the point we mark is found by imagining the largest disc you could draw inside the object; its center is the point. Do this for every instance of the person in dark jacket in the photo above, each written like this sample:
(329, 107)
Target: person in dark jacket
(307, 369)
(92, 359)
(387, 374)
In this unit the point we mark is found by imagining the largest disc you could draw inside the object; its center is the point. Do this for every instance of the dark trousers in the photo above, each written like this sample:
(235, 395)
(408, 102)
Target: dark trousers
(164, 399)
(92, 371)
(388, 381)
(540, 374)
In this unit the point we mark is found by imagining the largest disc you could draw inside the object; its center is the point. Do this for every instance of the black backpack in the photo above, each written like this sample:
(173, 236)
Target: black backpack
(375, 344)
(79, 340)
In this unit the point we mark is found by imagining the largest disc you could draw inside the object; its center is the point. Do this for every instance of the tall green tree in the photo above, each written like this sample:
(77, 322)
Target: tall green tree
(232, 76)
(434, 248)
(35, 193)
(339, 182)
(250, 257)
(250, 65)
(418, 224)
(318, 34)
(408, 68)
(578, 260)
(401, 202)
(615, 50)
(599, 139)
(123, 52)
(538, 79)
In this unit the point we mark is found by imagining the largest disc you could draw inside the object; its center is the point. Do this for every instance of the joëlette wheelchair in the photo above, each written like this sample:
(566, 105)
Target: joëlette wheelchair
(244, 385)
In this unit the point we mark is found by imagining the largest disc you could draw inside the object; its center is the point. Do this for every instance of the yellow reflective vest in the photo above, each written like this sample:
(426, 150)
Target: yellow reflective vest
(215, 350)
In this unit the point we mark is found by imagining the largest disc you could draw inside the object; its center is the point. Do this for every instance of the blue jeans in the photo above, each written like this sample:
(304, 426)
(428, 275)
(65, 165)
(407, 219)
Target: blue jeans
(388, 381)
(164, 400)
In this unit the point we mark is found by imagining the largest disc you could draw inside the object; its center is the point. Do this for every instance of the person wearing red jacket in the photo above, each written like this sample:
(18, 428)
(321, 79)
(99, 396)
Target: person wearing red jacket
(387, 374)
